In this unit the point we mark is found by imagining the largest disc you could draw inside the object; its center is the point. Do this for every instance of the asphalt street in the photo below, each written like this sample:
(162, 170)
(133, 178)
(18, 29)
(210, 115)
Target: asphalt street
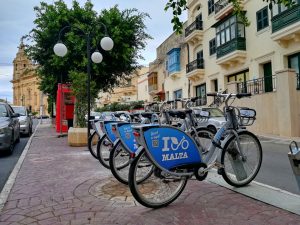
(276, 169)
(8, 162)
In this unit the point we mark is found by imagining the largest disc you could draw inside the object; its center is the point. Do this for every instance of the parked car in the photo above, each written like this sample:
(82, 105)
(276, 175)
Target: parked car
(9, 128)
(24, 119)
(215, 117)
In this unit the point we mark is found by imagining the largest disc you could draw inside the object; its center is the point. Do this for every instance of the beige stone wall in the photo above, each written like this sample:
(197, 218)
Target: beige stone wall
(26, 84)
(126, 92)
(142, 85)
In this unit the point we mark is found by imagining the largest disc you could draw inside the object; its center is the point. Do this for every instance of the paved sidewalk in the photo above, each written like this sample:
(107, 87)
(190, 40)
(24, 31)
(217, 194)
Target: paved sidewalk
(58, 184)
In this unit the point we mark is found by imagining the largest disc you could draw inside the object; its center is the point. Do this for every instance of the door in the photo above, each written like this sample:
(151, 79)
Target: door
(294, 63)
(268, 77)
(199, 22)
(200, 60)
(201, 92)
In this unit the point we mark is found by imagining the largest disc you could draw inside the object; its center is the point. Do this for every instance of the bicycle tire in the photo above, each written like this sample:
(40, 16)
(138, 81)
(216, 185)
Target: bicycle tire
(92, 149)
(230, 155)
(142, 191)
(103, 152)
(119, 160)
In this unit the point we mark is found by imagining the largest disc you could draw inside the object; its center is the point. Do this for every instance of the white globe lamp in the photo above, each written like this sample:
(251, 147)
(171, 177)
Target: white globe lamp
(107, 43)
(97, 57)
(60, 49)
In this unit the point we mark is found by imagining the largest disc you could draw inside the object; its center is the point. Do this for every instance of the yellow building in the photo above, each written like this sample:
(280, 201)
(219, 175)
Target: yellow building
(26, 84)
(126, 92)
(218, 53)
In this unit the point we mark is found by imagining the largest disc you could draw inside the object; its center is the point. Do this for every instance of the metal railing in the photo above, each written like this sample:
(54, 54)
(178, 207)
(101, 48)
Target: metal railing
(220, 5)
(201, 101)
(196, 64)
(196, 25)
(258, 86)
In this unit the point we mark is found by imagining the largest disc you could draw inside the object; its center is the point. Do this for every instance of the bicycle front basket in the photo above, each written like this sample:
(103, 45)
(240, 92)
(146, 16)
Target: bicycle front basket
(246, 116)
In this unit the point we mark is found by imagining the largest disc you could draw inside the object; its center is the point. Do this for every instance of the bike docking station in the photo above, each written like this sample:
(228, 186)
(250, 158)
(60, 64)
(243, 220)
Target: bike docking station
(294, 157)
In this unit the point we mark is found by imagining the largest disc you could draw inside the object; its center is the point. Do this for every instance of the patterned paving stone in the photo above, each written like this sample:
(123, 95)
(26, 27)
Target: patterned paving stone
(61, 185)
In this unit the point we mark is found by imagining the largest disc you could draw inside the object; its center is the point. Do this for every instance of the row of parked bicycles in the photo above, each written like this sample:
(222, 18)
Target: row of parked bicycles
(157, 152)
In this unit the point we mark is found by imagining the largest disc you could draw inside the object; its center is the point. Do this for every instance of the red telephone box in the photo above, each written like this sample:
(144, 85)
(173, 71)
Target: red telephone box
(64, 107)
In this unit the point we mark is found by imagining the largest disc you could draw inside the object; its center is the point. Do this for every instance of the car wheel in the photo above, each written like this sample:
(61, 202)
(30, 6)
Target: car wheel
(18, 139)
(212, 128)
(12, 145)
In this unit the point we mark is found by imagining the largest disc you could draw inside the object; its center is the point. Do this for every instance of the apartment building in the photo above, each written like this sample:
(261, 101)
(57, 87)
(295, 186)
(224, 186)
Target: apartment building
(217, 52)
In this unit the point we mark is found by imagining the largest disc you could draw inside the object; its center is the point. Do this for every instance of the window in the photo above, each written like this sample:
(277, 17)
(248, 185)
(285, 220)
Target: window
(262, 19)
(228, 30)
(178, 94)
(279, 8)
(173, 62)
(211, 6)
(239, 77)
(212, 46)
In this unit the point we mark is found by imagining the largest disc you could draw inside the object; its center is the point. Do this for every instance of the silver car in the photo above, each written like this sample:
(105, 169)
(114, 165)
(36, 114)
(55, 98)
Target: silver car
(9, 128)
(25, 119)
(215, 117)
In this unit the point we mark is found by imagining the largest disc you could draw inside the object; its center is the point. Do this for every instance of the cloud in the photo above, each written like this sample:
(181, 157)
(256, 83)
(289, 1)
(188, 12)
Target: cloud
(6, 73)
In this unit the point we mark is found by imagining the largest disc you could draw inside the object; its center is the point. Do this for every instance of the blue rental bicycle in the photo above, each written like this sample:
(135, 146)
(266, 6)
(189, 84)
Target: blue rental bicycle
(175, 156)
(125, 145)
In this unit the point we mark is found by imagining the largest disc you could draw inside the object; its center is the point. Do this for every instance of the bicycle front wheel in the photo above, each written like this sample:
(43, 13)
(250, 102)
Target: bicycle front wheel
(119, 160)
(93, 141)
(241, 164)
(159, 189)
(103, 150)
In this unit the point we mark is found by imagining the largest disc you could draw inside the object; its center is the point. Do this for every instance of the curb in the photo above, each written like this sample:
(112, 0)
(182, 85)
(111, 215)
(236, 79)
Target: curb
(265, 193)
(12, 177)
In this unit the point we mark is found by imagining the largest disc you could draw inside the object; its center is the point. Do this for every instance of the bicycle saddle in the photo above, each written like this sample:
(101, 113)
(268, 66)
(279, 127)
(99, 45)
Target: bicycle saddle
(180, 113)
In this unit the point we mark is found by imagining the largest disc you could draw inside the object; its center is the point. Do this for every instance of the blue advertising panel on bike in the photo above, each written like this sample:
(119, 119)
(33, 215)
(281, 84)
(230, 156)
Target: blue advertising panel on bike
(171, 147)
(126, 135)
(110, 134)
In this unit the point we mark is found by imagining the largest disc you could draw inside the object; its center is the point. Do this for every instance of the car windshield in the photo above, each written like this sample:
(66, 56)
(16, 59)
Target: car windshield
(20, 110)
(214, 112)
(3, 111)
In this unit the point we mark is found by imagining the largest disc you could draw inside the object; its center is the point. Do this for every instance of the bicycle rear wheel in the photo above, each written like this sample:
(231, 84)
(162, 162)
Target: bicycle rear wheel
(159, 189)
(119, 161)
(103, 150)
(93, 141)
(239, 171)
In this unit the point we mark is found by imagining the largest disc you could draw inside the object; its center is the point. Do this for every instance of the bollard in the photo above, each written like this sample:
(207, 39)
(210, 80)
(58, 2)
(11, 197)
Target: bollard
(294, 157)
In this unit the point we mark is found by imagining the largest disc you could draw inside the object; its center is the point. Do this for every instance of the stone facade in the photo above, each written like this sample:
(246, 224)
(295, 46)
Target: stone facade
(26, 84)
(127, 91)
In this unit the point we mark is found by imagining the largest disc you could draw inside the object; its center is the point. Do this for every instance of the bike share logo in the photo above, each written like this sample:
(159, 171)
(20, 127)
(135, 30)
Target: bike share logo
(171, 145)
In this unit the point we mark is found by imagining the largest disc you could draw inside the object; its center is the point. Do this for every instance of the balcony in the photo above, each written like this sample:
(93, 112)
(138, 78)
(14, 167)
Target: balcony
(174, 70)
(224, 8)
(286, 26)
(152, 83)
(232, 52)
(194, 32)
(195, 70)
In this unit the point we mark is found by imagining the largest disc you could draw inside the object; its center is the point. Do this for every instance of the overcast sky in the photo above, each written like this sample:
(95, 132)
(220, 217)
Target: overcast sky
(16, 20)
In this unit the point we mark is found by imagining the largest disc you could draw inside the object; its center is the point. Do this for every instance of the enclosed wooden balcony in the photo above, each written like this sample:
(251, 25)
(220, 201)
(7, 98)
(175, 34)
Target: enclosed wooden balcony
(286, 26)
(152, 83)
(232, 52)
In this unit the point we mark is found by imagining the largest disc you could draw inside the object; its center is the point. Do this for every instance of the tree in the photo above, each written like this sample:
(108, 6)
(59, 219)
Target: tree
(126, 28)
(178, 6)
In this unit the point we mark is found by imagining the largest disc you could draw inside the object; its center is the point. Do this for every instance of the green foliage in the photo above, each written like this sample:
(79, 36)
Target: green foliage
(177, 6)
(116, 106)
(126, 28)
(79, 89)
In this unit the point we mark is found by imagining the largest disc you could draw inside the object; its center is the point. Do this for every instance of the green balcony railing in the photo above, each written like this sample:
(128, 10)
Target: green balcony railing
(233, 45)
(286, 18)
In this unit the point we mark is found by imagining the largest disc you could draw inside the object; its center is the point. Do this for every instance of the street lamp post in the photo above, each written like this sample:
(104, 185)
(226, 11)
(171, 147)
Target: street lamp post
(106, 44)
